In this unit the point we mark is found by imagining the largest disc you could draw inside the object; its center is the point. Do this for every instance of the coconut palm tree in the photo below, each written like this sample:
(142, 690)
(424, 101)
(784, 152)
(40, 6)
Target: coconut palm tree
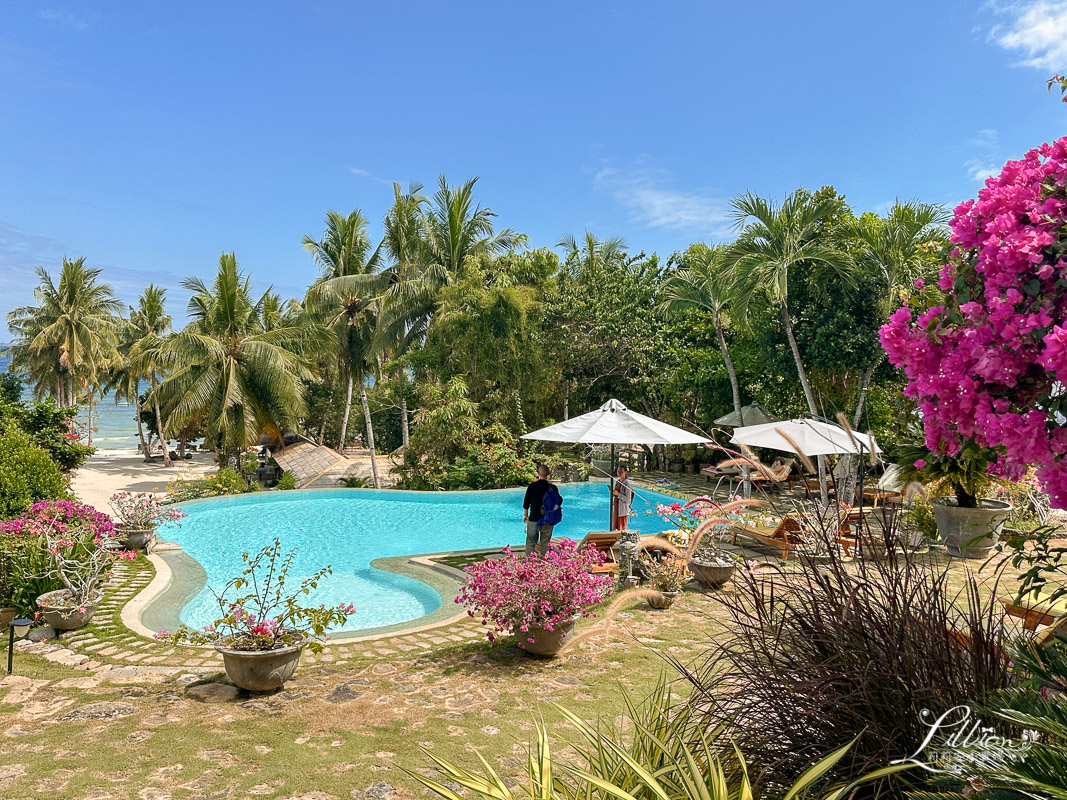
(124, 383)
(150, 324)
(703, 283)
(227, 372)
(592, 252)
(345, 300)
(66, 342)
(896, 250)
(775, 242)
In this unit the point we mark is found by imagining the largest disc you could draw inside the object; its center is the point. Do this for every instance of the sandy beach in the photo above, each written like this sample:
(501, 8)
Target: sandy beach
(110, 471)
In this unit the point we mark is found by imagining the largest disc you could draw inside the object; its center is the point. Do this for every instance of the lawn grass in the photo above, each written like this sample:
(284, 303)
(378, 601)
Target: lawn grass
(468, 698)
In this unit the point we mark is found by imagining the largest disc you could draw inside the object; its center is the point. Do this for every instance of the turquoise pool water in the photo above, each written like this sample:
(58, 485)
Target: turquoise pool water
(348, 529)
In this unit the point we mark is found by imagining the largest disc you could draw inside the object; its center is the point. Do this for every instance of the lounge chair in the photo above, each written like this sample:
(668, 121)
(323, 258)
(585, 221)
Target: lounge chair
(607, 544)
(781, 472)
(784, 537)
(1034, 611)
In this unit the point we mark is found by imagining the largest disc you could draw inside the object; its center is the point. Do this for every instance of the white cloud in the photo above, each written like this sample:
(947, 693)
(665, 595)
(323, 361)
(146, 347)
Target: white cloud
(1038, 31)
(979, 170)
(360, 173)
(646, 193)
(63, 18)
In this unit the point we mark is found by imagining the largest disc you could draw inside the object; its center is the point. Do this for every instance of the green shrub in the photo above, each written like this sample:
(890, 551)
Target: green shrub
(49, 426)
(226, 481)
(23, 563)
(287, 481)
(27, 474)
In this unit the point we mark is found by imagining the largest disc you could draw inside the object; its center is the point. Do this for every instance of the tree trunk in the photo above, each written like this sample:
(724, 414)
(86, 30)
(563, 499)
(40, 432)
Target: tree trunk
(159, 421)
(140, 427)
(344, 419)
(322, 431)
(90, 426)
(405, 431)
(847, 493)
(808, 394)
(370, 433)
(735, 389)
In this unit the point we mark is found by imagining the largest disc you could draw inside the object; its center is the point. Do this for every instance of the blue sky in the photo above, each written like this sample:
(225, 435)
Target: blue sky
(151, 138)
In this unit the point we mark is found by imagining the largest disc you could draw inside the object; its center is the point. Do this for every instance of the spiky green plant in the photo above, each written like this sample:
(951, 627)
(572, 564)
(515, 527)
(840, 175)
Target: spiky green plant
(665, 757)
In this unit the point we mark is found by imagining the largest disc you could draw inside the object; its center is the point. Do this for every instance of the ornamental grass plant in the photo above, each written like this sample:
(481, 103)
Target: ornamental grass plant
(515, 593)
(830, 650)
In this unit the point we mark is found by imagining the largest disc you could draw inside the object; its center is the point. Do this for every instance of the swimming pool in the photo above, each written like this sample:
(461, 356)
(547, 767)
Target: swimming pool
(349, 528)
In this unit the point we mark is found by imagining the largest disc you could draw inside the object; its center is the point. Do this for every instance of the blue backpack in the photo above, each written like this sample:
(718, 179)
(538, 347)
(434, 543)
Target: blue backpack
(552, 507)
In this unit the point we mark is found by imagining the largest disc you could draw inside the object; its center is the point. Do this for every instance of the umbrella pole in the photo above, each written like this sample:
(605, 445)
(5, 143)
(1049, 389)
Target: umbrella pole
(611, 488)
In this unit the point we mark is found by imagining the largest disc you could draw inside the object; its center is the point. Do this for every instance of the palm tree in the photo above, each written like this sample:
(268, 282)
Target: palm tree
(227, 372)
(149, 324)
(591, 253)
(67, 341)
(896, 250)
(702, 283)
(774, 242)
(125, 383)
(345, 301)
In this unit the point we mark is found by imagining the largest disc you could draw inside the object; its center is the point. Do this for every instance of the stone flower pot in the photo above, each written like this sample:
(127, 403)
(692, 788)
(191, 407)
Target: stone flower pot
(7, 613)
(261, 670)
(57, 612)
(663, 599)
(710, 574)
(542, 642)
(135, 538)
(970, 532)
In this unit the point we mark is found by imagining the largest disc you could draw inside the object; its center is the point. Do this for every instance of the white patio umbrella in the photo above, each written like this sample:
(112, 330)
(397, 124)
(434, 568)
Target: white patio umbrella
(754, 414)
(613, 423)
(812, 437)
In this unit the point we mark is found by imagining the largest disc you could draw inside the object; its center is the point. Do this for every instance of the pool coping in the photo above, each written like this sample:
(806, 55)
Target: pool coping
(177, 580)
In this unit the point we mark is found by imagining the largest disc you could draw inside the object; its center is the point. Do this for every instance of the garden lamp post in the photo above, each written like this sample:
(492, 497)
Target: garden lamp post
(18, 628)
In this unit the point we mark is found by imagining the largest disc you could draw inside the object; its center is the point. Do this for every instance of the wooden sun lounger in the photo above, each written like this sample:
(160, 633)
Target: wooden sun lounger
(1035, 612)
(606, 543)
(784, 537)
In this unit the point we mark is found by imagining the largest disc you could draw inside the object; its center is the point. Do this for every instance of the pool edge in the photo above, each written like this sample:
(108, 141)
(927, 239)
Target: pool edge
(168, 593)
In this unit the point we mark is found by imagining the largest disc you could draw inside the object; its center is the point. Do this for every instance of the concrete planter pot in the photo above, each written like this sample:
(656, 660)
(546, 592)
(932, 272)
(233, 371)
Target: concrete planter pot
(970, 532)
(711, 575)
(545, 642)
(57, 612)
(663, 600)
(135, 538)
(261, 670)
(7, 613)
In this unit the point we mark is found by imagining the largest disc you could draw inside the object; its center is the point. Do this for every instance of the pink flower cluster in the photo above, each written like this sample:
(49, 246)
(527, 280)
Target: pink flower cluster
(985, 353)
(142, 510)
(514, 593)
(61, 517)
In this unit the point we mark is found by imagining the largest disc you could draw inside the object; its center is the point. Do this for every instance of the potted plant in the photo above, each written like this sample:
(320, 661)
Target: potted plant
(81, 565)
(665, 576)
(702, 522)
(537, 599)
(969, 524)
(139, 516)
(262, 633)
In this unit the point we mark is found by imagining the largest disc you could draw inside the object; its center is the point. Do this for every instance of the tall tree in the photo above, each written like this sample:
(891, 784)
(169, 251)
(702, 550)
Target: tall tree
(345, 300)
(703, 282)
(227, 372)
(896, 250)
(66, 342)
(776, 240)
(150, 324)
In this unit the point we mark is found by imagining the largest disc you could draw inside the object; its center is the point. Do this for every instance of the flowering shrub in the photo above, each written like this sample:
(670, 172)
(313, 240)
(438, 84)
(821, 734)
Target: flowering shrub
(63, 519)
(515, 593)
(268, 617)
(225, 482)
(79, 563)
(985, 351)
(142, 511)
